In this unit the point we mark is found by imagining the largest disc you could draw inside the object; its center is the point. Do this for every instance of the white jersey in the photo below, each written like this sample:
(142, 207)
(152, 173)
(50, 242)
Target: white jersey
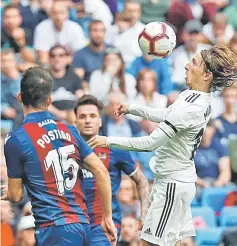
(176, 138)
(184, 122)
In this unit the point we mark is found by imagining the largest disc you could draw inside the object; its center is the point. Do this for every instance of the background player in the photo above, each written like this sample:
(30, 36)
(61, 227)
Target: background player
(176, 140)
(88, 122)
(46, 156)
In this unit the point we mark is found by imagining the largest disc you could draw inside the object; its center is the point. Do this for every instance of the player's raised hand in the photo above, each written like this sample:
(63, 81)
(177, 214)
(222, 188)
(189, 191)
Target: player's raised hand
(97, 141)
(122, 109)
(110, 230)
(3, 192)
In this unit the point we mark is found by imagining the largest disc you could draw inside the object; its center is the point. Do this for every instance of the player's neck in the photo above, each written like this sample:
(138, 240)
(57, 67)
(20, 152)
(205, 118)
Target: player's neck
(201, 87)
(29, 110)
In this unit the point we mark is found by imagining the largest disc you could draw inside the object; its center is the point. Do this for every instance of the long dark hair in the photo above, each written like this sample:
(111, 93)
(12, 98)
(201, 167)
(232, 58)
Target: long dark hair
(121, 72)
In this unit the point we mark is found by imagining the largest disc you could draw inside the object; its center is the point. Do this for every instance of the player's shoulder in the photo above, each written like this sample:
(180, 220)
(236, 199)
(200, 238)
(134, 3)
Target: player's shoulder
(15, 135)
(194, 101)
(120, 155)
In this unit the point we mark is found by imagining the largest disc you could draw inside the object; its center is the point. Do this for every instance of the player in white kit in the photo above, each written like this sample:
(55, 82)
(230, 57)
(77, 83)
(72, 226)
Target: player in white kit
(175, 141)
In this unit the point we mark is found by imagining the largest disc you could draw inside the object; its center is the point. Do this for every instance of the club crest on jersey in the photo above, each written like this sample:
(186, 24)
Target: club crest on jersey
(208, 112)
(102, 156)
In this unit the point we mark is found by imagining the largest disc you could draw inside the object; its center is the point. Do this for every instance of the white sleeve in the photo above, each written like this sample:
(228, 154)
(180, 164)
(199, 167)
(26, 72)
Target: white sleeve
(180, 119)
(147, 143)
(148, 113)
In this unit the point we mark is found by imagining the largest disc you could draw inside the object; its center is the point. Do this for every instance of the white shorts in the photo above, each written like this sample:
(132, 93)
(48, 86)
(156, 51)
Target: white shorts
(169, 218)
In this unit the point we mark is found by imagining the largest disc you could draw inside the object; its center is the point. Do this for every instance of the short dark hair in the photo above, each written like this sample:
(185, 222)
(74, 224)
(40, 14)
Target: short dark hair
(36, 86)
(59, 46)
(89, 100)
(93, 22)
(10, 6)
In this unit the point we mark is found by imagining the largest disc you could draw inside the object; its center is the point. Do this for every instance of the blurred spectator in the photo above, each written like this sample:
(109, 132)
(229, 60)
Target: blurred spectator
(127, 26)
(227, 126)
(99, 10)
(230, 12)
(184, 53)
(182, 11)
(154, 10)
(10, 86)
(118, 126)
(119, 36)
(212, 161)
(67, 85)
(148, 94)
(218, 31)
(112, 77)
(129, 234)
(159, 66)
(15, 37)
(57, 30)
(35, 12)
(26, 231)
(7, 236)
(90, 58)
(127, 198)
(233, 43)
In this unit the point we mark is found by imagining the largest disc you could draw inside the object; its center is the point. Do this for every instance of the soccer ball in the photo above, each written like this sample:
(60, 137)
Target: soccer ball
(157, 40)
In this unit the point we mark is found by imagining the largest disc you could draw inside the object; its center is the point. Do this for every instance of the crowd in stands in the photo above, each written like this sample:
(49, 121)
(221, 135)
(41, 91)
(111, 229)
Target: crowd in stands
(90, 47)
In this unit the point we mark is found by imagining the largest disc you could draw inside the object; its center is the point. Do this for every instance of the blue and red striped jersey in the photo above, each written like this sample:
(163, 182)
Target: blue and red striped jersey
(116, 161)
(48, 155)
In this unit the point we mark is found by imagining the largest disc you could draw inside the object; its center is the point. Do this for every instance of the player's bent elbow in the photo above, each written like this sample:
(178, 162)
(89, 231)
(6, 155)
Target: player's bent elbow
(15, 198)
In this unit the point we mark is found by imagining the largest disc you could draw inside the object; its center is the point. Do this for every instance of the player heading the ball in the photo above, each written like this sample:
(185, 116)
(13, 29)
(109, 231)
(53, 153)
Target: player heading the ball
(175, 142)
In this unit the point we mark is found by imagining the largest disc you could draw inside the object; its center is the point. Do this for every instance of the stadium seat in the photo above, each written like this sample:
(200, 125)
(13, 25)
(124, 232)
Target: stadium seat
(209, 236)
(206, 213)
(215, 197)
(228, 216)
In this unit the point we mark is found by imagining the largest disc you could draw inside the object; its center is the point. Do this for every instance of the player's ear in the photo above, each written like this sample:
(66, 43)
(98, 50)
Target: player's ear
(19, 97)
(49, 101)
(208, 76)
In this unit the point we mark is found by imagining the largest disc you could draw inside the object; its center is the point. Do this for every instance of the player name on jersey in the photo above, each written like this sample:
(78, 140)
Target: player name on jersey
(51, 136)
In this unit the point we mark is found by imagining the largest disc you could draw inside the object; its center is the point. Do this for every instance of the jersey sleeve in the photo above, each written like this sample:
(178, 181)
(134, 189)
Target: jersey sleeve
(14, 157)
(125, 162)
(180, 119)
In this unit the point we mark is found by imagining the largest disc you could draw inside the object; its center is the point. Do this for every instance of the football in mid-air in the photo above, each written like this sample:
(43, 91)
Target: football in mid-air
(157, 40)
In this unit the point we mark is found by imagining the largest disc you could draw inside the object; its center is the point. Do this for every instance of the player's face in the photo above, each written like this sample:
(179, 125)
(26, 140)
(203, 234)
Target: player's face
(195, 71)
(88, 120)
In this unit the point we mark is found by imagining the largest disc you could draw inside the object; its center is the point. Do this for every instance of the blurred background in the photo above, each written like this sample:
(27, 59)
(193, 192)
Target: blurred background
(90, 47)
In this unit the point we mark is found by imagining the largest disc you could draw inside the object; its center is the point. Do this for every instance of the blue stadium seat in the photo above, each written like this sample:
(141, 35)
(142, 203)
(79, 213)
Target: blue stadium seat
(209, 236)
(228, 216)
(206, 213)
(215, 197)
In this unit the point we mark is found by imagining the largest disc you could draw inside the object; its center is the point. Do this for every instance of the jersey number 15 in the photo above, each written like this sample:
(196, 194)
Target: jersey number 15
(61, 164)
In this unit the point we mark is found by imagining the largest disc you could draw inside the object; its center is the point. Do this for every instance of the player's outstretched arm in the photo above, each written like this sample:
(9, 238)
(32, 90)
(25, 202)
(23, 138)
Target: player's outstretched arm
(147, 143)
(94, 164)
(142, 186)
(147, 113)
